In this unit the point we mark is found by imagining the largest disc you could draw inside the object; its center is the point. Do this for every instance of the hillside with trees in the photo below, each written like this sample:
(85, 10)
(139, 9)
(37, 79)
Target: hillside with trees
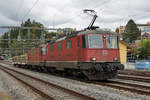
(16, 42)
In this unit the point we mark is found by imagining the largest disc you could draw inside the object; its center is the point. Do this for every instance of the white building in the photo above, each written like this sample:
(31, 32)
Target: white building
(145, 28)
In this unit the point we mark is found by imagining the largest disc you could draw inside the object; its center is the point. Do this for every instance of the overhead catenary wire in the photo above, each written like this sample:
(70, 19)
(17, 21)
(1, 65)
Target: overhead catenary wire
(72, 18)
(30, 10)
(102, 4)
(19, 7)
(61, 10)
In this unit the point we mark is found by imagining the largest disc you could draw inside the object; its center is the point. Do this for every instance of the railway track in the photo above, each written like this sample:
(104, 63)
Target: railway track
(135, 88)
(135, 78)
(123, 85)
(45, 89)
(143, 73)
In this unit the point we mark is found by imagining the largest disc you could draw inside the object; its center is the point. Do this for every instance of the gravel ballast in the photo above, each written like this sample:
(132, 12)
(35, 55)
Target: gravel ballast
(97, 91)
(16, 90)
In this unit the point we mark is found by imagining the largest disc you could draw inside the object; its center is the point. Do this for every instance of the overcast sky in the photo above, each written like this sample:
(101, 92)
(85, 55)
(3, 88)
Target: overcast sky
(69, 13)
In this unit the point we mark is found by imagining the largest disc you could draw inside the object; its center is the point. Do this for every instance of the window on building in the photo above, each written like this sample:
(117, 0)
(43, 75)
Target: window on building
(52, 48)
(68, 44)
(130, 57)
(59, 46)
(78, 42)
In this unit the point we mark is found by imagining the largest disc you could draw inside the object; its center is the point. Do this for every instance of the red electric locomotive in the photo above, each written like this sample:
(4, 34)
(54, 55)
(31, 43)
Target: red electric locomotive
(91, 53)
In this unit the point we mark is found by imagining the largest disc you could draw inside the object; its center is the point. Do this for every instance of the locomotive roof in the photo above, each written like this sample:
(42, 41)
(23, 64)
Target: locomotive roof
(77, 33)
(82, 32)
(97, 31)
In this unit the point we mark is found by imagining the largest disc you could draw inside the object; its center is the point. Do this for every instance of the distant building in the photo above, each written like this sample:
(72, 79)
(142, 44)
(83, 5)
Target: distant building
(145, 28)
(66, 30)
(106, 29)
(144, 36)
(121, 29)
(126, 52)
(123, 52)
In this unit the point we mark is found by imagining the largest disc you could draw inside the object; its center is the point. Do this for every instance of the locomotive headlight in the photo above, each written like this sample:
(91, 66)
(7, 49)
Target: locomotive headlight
(93, 59)
(115, 59)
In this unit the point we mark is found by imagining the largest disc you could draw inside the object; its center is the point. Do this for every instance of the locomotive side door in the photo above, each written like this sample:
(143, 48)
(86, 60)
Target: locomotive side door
(81, 46)
(43, 55)
(79, 49)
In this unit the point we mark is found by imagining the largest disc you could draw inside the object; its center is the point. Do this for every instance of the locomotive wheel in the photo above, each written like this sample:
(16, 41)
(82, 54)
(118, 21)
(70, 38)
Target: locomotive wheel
(84, 77)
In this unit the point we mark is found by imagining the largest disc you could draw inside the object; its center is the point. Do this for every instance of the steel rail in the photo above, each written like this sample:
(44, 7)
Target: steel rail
(82, 96)
(42, 94)
(135, 88)
(126, 87)
(135, 72)
(135, 78)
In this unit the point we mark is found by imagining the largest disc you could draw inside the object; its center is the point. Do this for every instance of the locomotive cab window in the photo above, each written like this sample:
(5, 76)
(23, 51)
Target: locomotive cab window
(78, 42)
(59, 46)
(32, 52)
(112, 42)
(92, 41)
(51, 48)
(95, 41)
(84, 41)
(35, 50)
(68, 44)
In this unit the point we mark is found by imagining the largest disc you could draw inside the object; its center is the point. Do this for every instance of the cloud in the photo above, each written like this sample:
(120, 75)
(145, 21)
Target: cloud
(68, 13)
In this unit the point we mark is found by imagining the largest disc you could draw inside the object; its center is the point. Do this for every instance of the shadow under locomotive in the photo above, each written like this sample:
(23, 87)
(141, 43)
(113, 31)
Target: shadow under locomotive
(82, 70)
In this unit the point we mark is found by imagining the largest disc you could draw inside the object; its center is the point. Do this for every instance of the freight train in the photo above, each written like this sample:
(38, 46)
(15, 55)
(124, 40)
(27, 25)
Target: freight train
(92, 54)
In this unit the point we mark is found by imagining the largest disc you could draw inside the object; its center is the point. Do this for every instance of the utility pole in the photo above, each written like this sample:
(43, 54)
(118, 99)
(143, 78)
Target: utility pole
(42, 38)
(28, 35)
(9, 43)
(9, 36)
(23, 50)
(19, 36)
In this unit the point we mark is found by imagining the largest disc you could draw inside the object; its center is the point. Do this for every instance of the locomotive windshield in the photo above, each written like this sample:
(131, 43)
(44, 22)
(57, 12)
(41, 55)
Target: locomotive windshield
(92, 41)
(95, 41)
(111, 42)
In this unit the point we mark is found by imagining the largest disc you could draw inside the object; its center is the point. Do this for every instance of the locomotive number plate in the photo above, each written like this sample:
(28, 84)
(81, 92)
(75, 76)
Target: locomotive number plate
(105, 52)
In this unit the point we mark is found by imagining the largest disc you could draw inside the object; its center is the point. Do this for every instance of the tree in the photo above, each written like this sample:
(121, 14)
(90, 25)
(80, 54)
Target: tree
(131, 32)
(34, 34)
(144, 48)
(117, 30)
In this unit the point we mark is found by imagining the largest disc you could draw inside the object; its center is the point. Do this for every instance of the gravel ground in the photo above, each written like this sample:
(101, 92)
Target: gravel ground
(97, 91)
(58, 94)
(16, 89)
(1, 85)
